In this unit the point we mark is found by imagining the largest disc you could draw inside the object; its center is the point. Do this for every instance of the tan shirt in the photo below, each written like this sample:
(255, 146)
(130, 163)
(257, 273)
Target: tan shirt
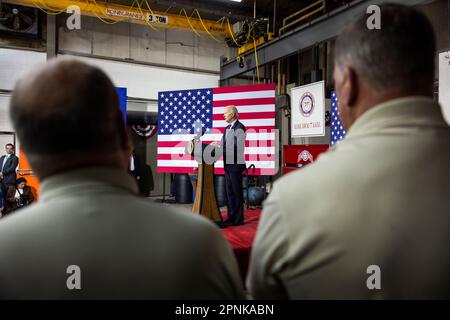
(379, 198)
(126, 246)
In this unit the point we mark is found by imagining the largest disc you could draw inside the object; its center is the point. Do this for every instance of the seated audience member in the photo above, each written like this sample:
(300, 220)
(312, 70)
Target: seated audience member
(90, 236)
(369, 219)
(18, 196)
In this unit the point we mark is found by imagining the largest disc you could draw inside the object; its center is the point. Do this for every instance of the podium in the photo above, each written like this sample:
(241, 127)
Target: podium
(205, 202)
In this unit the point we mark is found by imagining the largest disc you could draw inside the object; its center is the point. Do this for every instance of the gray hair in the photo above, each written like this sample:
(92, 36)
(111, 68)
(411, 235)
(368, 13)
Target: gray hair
(399, 55)
(234, 110)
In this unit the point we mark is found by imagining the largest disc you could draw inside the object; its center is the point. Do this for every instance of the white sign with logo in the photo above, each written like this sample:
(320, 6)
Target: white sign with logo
(308, 110)
(444, 84)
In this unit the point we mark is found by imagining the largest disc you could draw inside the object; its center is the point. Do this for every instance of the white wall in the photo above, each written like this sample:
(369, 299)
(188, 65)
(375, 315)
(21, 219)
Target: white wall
(444, 84)
(143, 81)
(14, 63)
(140, 43)
(5, 124)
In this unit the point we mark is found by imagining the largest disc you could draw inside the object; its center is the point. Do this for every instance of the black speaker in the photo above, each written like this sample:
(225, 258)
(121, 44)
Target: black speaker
(183, 187)
(219, 187)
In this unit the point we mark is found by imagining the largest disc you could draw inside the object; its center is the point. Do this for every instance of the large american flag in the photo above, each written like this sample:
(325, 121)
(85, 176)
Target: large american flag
(182, 113)
(337, 130)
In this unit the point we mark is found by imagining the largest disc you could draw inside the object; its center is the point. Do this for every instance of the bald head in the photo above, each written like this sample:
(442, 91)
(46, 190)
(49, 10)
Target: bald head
(67, 108)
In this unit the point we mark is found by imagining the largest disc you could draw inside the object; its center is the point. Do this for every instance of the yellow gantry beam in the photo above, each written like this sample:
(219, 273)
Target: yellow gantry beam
(138, 13)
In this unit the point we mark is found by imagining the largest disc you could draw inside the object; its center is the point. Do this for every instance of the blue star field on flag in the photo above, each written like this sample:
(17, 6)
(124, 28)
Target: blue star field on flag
(337, 130)
(185, 111)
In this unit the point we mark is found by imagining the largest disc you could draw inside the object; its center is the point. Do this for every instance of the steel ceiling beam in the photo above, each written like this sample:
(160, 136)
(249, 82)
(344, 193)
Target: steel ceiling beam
(319, 30)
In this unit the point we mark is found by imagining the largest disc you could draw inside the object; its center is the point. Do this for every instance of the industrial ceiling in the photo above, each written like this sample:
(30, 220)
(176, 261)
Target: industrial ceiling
(215, 9)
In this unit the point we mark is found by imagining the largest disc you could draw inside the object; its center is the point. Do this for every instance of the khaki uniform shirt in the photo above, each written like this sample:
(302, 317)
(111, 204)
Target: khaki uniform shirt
(126, 247)
(380, 198)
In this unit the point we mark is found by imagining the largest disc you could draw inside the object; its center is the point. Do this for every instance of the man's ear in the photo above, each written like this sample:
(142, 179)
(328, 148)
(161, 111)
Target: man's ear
(350, 87)
(125, 138)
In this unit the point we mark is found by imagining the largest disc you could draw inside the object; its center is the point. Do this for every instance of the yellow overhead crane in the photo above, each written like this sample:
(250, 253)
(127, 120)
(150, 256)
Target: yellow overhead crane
(140, 14)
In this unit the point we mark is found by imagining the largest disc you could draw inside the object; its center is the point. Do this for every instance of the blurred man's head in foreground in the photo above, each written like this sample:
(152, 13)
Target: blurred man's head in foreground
(67, 116)
(373, 66)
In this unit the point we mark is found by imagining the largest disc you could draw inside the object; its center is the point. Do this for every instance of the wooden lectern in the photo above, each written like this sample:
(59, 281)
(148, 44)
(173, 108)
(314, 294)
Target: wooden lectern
(205, 197)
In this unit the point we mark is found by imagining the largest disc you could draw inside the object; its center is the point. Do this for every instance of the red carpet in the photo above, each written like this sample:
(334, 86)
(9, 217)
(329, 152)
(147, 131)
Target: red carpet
(241, 238)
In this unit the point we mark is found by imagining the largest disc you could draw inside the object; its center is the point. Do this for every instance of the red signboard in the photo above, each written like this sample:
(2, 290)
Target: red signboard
(298, 156)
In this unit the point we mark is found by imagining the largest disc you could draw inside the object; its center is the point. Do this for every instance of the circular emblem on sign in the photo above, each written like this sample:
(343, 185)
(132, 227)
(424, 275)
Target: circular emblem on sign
(307, 104)
(305, 156)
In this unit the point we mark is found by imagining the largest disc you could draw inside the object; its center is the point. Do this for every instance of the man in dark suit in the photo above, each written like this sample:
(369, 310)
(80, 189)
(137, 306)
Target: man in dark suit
(134, 166)
(232, 147)
(8, 165)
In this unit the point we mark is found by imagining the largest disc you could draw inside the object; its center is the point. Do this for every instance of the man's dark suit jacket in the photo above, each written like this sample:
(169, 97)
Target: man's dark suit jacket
(233, 147)
(9, 170)
(234, 143)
